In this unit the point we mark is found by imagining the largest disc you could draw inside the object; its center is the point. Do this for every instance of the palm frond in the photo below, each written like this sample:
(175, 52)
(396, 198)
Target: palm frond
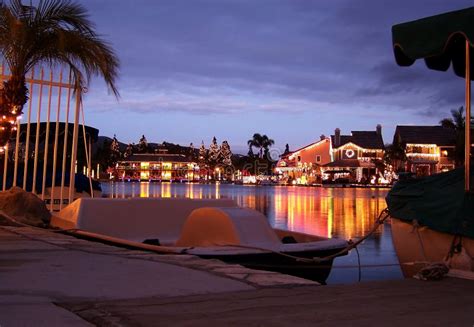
(56, 32)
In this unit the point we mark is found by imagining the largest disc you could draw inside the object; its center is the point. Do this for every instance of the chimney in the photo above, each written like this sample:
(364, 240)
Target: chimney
(322, 137)
(379, 129)
(337, 137)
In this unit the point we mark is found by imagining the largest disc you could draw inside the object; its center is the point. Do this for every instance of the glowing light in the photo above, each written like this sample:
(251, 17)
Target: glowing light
(429, 155)
(350, 153)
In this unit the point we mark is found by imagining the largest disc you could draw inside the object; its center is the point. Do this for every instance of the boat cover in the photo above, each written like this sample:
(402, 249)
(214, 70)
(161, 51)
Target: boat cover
(438, 202)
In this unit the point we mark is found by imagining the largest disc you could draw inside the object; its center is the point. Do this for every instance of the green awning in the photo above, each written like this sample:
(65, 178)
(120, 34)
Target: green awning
(439, 40)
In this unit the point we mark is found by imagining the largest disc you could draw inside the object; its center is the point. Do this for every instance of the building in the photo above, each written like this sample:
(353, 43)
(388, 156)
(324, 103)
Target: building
(157, 167)
(303, 166)
(356, 157)
(41, 151)
(429, 149)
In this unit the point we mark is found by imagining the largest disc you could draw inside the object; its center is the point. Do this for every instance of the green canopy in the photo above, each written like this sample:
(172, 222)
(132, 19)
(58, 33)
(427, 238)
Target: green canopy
(439, 40)
(439, 201)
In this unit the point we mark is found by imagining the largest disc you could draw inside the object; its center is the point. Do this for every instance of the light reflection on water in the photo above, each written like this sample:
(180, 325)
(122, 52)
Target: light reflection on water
(347, 213)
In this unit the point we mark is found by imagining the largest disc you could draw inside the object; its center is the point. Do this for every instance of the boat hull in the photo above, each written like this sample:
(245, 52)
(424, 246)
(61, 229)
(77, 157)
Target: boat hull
(253, 259)
(417, 247)
(318, 272)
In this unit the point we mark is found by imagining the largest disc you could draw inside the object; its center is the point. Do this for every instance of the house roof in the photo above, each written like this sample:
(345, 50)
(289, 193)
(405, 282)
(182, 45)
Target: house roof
(303, 147)
(438, 135)
(364, 139)
(161, 157)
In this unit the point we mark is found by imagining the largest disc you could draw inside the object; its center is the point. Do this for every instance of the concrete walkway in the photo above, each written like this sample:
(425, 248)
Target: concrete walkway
(449, 302)
(49, 279)
(39, 268)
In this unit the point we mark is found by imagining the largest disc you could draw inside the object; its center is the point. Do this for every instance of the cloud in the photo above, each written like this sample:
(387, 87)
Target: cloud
(275, 58)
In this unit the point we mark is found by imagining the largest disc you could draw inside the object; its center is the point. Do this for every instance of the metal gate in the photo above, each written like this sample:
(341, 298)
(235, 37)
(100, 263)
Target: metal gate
(42, 149)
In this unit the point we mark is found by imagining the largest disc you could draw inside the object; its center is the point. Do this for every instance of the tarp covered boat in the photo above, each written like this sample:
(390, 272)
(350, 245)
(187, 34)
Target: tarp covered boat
(438, 202)
(433, 221)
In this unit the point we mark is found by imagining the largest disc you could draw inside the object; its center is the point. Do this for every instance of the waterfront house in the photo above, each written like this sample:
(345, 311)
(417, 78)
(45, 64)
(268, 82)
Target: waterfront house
(428, 149)
(302, 166)
(356, 157)
(157, 167)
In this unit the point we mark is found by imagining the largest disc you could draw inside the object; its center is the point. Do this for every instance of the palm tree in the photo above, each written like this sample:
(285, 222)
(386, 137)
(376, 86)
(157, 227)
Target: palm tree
(55, 32)
(261, 142)
(457, 122)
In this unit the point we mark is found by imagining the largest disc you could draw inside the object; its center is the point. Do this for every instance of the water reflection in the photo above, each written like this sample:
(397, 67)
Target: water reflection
(332, 212)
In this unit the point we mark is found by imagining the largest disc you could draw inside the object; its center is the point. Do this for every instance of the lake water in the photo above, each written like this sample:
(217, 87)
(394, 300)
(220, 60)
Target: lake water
(347, 213)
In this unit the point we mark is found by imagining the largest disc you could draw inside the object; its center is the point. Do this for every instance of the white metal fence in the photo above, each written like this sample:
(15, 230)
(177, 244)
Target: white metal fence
(51, 98)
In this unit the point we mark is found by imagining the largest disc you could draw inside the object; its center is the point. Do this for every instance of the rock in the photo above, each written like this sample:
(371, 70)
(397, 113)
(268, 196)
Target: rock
(25, 207)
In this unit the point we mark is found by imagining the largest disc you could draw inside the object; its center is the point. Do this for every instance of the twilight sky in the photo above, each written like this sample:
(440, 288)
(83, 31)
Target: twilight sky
(292, 69)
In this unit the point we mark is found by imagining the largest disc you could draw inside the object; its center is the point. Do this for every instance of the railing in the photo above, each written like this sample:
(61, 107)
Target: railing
(53, 93)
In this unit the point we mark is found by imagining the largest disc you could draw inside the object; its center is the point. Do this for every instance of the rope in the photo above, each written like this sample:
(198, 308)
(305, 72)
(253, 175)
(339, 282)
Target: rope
(434, 271)
(351, 245)
(379, 221)
(431, 271)
(359, 266)
(416, 225)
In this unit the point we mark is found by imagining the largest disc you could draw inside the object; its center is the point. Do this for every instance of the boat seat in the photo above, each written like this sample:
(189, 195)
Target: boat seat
(227, 226)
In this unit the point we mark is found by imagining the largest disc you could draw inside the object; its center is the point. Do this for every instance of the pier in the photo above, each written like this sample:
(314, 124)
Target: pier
(50, 279)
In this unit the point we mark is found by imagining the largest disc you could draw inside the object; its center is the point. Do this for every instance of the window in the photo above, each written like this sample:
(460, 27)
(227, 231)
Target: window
(318, 158)
(299, 158)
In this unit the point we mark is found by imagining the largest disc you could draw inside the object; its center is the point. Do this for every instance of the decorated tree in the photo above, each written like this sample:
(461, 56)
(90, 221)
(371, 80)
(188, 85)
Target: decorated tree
(202, 155)
(225, 154)
(214, 153)
(143, 145)
(114, 151)
(202, 158)
(128, 151)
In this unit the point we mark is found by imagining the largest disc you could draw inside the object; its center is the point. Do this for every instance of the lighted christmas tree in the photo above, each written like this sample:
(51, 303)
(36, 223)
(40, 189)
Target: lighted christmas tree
(202, 155)
(226, 154)
(128, 151)
(214, 152)
(143, 145)
(114, 151)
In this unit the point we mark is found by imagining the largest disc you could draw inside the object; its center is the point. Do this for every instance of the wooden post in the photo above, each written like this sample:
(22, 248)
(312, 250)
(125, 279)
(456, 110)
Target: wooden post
(467, 147)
